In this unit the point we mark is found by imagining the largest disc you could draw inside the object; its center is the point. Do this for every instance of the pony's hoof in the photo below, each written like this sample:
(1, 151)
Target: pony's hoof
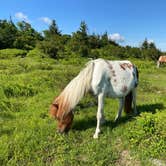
(95, 136)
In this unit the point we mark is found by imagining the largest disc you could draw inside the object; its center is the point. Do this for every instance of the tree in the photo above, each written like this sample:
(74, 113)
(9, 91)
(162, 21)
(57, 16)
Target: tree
(54, 42)
(53, 30)
(79, 42)
(104, 40)
(94, 41)
(145, 44)
(8, 33)
(26, 37)
(149, 50)
(152, 45)
(83, 30)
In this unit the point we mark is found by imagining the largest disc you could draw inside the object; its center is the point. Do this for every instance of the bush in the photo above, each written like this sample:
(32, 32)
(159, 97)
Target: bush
(36, 53)
(95, 53)
(10, 53)
(49, 48)
(148, 134)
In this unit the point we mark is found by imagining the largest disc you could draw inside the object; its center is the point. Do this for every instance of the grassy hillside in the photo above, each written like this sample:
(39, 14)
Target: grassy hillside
(27, 133)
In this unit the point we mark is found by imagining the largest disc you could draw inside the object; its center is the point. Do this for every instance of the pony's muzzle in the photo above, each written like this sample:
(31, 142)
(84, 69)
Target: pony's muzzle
(59, 131)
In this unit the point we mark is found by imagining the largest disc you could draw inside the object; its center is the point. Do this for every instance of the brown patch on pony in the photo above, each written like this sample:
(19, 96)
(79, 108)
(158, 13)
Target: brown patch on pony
(124, 66)
(111, 68)
(162, 59)
(115, 80)
(62, 106)
(60, 110)
(124, 89)
(64, 124)
(128, 103)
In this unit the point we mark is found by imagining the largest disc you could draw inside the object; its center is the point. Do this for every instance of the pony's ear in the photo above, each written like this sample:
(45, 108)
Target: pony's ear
(54, 110)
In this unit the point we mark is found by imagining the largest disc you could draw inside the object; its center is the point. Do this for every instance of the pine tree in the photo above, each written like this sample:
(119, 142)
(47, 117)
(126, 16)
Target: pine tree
(52, 31)
(145, 44)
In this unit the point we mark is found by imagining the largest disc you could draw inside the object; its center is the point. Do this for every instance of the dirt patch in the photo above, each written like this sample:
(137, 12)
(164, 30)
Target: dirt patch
(126, 160)
(157, 162)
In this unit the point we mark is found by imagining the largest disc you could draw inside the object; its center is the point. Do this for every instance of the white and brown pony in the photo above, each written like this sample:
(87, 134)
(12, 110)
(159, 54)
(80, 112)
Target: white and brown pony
(162, 59)
(115, 79)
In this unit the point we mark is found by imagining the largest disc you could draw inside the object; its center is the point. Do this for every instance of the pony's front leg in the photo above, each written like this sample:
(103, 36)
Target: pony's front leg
(99, 114)
(121, 105)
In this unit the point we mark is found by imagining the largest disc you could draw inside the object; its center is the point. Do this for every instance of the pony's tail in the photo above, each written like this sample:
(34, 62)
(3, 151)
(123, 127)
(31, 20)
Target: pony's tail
(128, 103)
(137, 77)
(129, 97)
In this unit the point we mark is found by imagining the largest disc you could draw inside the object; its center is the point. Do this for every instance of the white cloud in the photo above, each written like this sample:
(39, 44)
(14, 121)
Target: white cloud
(116, 37)
(46, 20)
(21, 16)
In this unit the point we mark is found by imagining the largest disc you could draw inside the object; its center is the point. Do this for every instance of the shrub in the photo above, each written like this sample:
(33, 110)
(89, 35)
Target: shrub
(36, 53)
(49, 48)
(10, 53)
(148, 134)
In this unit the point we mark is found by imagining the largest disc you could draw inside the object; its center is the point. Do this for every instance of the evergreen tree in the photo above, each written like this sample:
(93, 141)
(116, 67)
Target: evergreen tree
(83, 30)
(79, 42)
(104, 40)
(152, 45)
(145, 44)
(52, 31)
(94, 41)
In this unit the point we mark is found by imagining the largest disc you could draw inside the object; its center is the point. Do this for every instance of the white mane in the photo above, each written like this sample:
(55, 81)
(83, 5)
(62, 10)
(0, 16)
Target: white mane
(77, 87)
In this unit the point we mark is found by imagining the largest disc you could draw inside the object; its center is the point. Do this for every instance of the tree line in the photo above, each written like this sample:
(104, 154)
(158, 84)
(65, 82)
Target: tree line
(78, 44)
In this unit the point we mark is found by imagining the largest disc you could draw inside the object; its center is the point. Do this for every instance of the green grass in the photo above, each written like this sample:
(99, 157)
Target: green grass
(28, 135)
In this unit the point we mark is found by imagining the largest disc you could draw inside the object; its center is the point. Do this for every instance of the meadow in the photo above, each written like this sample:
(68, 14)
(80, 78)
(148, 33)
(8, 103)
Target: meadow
(28, 135)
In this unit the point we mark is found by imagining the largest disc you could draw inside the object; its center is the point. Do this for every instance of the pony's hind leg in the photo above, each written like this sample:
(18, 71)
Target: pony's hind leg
(134, 101)
(99, 114)
(121, 105)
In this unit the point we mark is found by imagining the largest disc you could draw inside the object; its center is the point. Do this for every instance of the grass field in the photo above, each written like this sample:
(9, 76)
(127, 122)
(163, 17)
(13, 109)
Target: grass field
(27, 133)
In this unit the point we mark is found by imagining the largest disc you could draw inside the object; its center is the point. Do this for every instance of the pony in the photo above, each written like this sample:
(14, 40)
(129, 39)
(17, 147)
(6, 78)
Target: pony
(114, 79)
(162, 59)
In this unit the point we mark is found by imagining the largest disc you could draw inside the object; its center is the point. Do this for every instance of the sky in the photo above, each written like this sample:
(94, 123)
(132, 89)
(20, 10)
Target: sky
(128, 22)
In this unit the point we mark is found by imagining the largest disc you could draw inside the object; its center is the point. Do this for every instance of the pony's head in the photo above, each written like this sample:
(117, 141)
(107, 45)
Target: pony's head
(64, 119)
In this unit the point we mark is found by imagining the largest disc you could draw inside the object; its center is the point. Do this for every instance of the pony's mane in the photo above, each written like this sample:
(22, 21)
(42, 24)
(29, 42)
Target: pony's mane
(76, 89)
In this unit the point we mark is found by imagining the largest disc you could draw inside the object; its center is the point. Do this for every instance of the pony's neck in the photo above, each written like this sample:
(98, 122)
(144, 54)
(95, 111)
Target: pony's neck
(73, 92)
(77, 88)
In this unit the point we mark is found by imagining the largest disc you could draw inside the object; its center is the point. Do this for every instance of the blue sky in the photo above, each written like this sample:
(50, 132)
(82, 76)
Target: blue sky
(126, 21)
